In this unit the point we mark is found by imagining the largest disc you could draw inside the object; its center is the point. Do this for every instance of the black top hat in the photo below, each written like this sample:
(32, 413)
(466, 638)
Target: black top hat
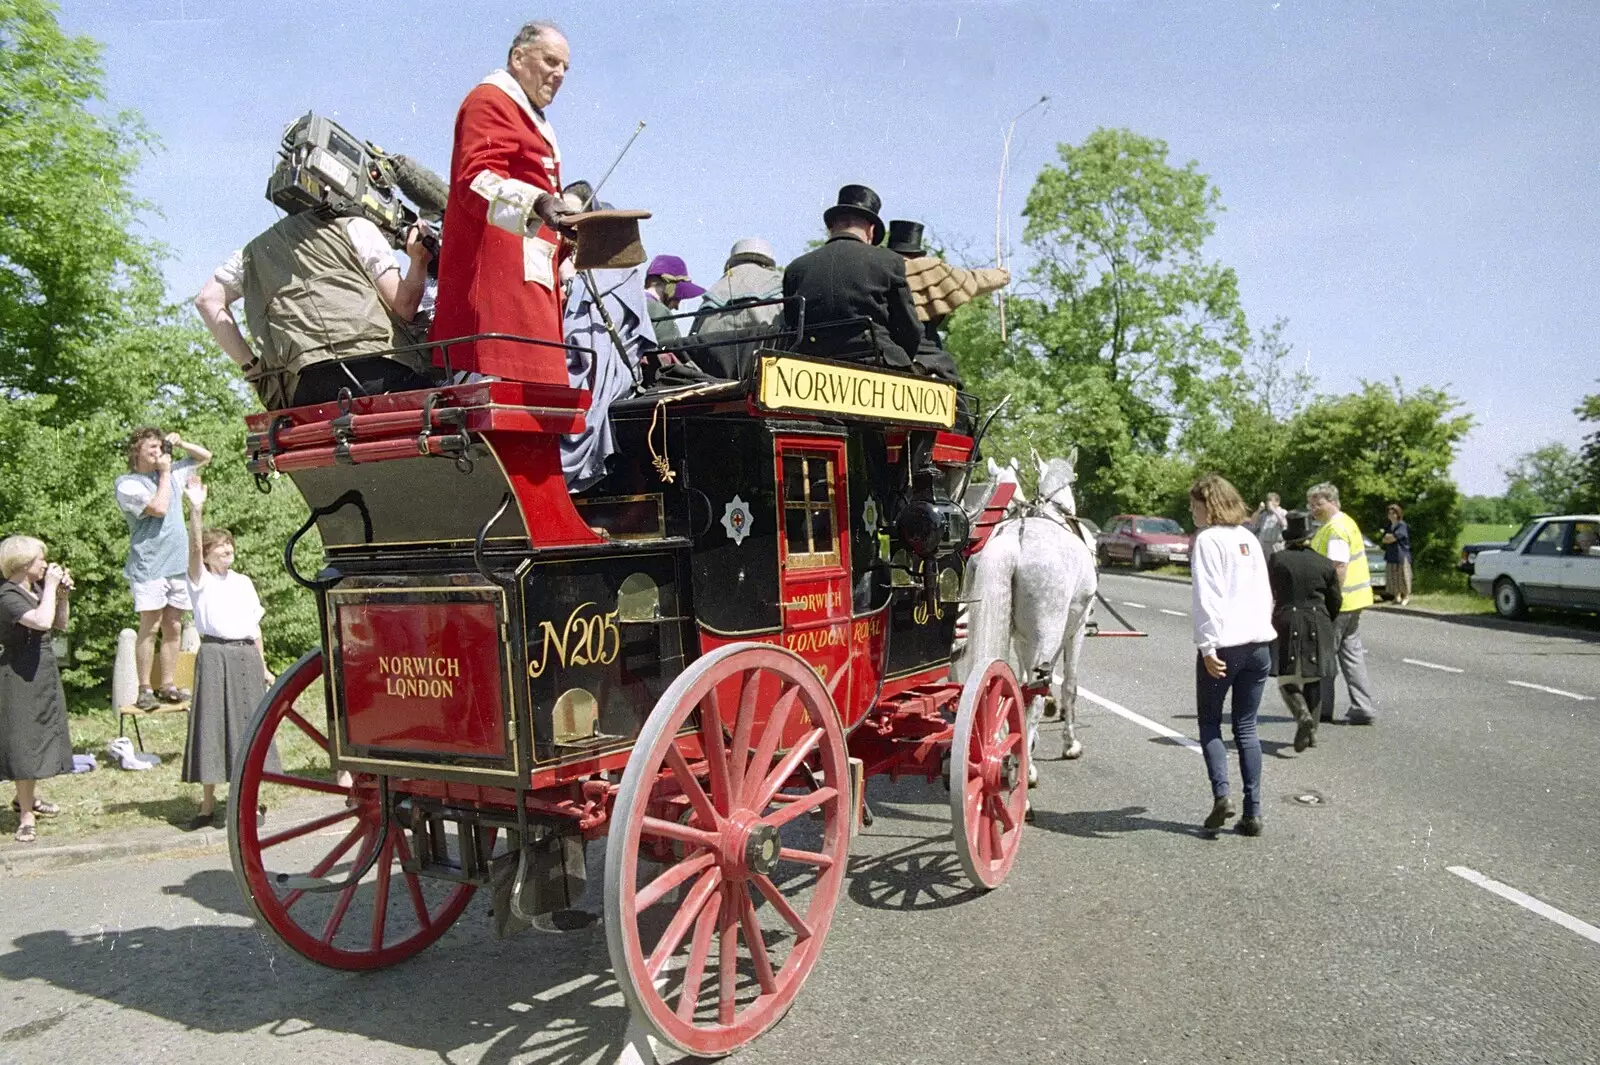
(861, 201)
(1297, 527)
(906, 237)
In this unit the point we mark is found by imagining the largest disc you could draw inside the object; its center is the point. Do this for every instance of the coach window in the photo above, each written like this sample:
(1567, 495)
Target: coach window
(809, 533)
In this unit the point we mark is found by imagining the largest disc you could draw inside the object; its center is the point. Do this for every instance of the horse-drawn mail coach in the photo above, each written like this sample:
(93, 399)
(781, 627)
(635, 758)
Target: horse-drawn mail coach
(698, 660)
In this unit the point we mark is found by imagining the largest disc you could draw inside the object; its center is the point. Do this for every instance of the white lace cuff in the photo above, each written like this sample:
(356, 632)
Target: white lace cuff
(510, 201)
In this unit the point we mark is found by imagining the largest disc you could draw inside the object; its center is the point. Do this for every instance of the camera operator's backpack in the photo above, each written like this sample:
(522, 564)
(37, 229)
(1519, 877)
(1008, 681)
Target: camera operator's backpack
(308, 300)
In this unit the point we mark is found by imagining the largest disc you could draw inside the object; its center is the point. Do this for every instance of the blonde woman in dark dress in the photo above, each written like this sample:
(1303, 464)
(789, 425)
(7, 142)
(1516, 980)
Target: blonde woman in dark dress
(34, 741)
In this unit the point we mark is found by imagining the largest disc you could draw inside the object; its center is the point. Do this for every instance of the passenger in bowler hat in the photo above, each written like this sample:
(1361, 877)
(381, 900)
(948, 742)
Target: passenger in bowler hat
(850, 277)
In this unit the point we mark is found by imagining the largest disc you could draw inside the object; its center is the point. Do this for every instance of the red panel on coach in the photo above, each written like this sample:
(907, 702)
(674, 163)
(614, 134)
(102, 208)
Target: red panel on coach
(423, 677)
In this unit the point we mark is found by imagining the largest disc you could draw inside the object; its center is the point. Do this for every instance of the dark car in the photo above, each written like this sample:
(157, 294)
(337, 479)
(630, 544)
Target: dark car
(1469, 553)
(1140, 540)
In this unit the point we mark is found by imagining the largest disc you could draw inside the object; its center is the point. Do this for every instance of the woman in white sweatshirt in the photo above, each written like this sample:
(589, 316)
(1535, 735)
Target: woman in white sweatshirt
(1233, 633)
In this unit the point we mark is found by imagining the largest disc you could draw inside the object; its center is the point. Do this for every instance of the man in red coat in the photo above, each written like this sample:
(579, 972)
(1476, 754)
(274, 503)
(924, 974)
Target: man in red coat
(499, 264)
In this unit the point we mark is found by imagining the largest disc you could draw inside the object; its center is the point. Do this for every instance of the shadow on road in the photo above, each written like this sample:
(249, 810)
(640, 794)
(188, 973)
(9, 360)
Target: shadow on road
(1108, 824)
(535, 998)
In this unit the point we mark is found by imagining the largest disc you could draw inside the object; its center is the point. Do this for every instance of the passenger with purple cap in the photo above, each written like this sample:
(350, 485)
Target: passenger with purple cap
(666, 285)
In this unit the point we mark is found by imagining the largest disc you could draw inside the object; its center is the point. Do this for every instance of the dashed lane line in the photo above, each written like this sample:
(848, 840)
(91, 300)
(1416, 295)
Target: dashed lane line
(1174, 613)
(1136, 606)
(1528, 902)
(1139, 719)
(1552, 691)
(1431, 665)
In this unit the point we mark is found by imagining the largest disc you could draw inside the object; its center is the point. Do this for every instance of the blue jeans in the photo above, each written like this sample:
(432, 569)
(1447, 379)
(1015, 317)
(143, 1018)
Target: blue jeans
(1248, 665)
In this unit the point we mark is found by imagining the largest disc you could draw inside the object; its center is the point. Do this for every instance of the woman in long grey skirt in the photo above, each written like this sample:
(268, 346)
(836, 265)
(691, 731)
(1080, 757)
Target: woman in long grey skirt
(230, 673)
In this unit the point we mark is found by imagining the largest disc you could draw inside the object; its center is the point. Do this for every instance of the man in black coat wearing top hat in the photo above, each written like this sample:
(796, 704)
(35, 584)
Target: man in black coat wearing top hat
(851, 277)
(905, 240)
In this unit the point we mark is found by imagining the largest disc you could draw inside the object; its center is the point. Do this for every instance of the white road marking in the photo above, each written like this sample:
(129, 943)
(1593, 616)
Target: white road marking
(1174, 613)
(1136, 606)
(1528, 902)
(1139, 719)
(1431, 665)
(1552, 691)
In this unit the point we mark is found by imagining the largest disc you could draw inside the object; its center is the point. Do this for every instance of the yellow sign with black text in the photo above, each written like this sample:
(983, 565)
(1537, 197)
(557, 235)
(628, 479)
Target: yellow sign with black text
(835, 388)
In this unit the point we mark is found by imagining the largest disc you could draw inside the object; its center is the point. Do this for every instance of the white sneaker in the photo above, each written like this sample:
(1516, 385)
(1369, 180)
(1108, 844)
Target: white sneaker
(121, 751)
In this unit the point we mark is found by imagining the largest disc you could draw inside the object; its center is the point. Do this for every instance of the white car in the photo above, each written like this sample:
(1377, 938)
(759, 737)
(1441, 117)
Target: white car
(1553, 561)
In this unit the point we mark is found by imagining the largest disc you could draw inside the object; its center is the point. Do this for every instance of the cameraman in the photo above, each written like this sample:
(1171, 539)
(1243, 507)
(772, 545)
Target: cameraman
(323, 297)
(158, 554)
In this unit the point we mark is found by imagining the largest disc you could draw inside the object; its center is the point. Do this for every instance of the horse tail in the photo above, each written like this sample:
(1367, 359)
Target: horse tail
(989, 606)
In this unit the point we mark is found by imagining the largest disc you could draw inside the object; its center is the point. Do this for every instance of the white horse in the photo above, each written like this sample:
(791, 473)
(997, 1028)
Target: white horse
(1031, 590)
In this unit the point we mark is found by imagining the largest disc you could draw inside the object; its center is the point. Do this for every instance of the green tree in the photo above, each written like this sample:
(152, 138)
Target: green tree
(1586, 496)
(1125, 334)
(92, 349)
(1548, 478)
(1384, 445)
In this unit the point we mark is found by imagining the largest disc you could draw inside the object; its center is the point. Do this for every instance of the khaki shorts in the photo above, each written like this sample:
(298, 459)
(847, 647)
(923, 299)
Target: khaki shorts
(159, 593)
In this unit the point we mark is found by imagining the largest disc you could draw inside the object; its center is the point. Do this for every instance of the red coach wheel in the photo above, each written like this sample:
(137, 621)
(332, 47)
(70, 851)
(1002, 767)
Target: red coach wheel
(318, 831)
(722, 851)
(986, 809)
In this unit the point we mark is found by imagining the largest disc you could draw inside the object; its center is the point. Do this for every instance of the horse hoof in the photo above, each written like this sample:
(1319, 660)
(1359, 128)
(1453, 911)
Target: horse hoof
(1033, 775)
(1027, 813)
(1072, 750)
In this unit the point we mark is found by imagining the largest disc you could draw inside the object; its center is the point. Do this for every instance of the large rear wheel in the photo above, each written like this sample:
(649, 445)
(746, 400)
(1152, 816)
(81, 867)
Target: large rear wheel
(318, 833)
(989, 792)
(729, 829)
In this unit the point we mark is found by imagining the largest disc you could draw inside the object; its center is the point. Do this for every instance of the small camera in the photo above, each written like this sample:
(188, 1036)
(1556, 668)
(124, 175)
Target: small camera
(166, 447)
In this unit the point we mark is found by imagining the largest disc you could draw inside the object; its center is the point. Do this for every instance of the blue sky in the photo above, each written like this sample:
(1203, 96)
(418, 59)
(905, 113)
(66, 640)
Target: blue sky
(1414, 186)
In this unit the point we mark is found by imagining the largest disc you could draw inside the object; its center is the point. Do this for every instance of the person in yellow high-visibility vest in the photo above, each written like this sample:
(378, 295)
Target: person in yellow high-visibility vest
(1340, 540)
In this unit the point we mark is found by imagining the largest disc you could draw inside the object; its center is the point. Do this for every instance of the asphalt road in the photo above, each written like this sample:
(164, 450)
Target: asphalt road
(1341, 935)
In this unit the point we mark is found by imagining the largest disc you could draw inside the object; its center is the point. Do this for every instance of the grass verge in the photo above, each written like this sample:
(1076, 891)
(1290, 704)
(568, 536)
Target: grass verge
(112, 799)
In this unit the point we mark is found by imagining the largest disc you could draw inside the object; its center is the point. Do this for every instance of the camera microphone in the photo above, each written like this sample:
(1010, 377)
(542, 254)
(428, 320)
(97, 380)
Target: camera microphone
(421, 185)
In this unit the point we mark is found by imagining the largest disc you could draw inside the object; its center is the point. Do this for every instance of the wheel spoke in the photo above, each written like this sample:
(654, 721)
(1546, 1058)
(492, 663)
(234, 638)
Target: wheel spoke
(775, 897)
(304, 783)
(380, 900)
(802, 805)
(307, 727)
(971, 802)
(654, 891)
(673, 936)
(758, 799)
(997, 838)
(985, 722)
(699, 837)
(816, 858)
(336, 918)
(1002, 813)
(1012, 742)
(755, 941)
(413, 884)
(309, 827)
(771, 735)
(329, 859)
(694, 973)
(742, 727)
(727, 956)
(691, 786)
(980, 835)
(711, 742)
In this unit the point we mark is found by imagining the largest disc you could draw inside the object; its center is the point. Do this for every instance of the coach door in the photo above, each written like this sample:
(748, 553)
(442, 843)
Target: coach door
(814, 554)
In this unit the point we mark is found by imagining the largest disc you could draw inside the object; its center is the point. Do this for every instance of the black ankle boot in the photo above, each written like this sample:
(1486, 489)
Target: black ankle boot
(1250, 825)
(1221, 811)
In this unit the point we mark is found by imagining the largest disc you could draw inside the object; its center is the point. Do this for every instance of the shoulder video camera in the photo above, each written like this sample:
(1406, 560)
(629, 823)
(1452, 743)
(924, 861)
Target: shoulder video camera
(323, 166)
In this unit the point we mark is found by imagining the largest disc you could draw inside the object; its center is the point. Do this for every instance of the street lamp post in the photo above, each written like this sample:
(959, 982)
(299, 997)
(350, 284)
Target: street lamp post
(999, 207)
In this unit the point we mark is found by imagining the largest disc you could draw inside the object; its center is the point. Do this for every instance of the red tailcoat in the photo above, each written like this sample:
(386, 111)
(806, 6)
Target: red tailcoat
(489, 281)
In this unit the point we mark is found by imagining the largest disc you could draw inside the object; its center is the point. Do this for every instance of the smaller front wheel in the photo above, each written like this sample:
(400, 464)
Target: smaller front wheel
(989, 774)
(1508, 599)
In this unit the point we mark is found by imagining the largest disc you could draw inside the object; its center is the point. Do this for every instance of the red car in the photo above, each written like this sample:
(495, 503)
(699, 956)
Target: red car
(1140, 540)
